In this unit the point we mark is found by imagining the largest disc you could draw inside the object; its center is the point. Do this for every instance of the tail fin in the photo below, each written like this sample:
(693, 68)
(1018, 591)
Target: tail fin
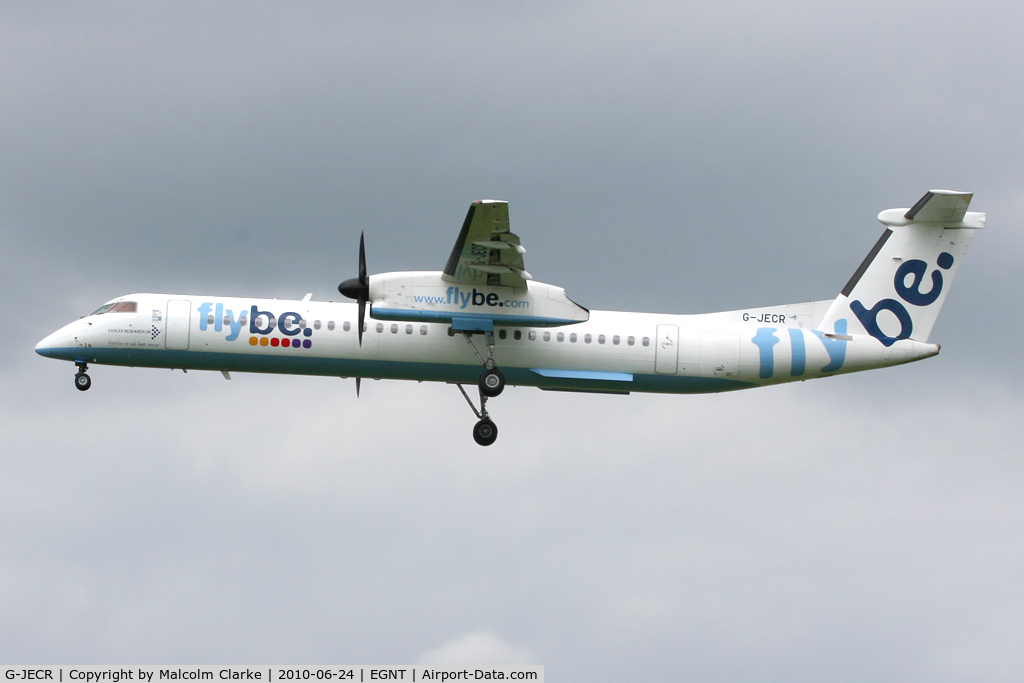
(899, 288)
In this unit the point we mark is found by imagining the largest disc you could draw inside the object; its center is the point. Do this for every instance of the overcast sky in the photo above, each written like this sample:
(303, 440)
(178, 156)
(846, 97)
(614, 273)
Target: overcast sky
(656, 156)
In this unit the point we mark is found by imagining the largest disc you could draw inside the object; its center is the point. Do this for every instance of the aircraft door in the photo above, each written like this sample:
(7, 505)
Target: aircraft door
(179, 312)
(666, 350)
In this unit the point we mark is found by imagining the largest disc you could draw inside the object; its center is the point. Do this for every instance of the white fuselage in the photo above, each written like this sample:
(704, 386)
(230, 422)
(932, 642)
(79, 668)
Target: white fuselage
(615, 352)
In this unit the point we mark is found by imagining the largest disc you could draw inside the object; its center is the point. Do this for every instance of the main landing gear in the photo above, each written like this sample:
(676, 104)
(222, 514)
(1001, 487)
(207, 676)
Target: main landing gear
(490, 384)
(82, 380)
(485, 432)
(491, 381)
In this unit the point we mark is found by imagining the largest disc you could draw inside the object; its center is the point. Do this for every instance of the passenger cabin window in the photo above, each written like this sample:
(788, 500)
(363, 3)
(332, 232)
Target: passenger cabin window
(587, 338)
(630, 340)
(533, 335)
(423, 329)
(330, 325)
(572, 337)
(600, 339)
(302, 324)
(518, 334)
(394, 328)
(502, 334)
(561, 336)
(547, 336)
(380, 327)
(646, 341)
(316, 324)
(209, 319)
(346, 326)
(408, 329)
(615, 339)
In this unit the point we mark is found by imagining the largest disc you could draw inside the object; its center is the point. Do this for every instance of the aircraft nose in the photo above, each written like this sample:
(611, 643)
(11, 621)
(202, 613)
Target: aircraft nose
(45, 346)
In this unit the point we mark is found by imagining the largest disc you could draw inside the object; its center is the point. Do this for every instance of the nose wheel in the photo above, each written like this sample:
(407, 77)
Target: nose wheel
(82, 380)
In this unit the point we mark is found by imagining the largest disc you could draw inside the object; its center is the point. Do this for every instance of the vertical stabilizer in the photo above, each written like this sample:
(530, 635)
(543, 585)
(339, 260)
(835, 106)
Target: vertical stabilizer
(897, 291)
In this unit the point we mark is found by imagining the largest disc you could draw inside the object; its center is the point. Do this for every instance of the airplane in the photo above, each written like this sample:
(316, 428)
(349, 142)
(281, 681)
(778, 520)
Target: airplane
(484, 320)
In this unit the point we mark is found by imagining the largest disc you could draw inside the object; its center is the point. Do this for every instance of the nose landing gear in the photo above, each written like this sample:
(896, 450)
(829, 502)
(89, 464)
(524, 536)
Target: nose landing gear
(82, 380)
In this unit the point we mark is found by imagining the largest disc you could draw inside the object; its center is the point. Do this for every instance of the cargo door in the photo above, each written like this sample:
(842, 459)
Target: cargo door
(179, 320)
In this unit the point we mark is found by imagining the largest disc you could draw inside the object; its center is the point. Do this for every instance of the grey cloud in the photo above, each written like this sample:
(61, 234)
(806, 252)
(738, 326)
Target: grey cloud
(657, 157)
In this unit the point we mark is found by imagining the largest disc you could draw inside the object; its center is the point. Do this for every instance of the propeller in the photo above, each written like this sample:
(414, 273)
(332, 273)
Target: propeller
(358, 288)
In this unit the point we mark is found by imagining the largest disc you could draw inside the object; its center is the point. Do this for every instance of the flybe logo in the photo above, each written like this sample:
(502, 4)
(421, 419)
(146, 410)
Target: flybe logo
(262, 325)
(911, 293)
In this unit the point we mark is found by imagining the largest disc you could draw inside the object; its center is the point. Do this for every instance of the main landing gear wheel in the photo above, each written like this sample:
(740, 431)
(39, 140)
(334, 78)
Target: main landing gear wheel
(82, 381)
(492, 382)
(485, 432)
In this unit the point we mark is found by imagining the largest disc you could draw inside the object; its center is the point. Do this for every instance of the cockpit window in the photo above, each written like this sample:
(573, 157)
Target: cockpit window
(102, 309)
(119, 307)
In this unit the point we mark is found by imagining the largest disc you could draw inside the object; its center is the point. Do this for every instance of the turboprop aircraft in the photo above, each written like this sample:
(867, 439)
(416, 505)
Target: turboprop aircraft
(485, 311)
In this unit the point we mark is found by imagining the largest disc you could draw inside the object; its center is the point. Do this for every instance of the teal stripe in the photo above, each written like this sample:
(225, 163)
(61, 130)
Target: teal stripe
(304, 363)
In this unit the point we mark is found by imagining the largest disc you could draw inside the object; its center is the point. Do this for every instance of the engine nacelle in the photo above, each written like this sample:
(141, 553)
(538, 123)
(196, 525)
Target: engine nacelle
(428, 297)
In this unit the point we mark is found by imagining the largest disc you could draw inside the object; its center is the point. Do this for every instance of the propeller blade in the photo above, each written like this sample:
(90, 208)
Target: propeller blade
(359, 288)
(358, 380)
(362, 314)
(362, 261)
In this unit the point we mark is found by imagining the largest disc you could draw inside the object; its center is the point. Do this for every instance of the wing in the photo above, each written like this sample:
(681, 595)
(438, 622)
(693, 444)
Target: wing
(486, 253)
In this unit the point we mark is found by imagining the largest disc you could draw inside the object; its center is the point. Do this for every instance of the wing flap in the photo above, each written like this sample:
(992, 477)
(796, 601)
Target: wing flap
(486, 251)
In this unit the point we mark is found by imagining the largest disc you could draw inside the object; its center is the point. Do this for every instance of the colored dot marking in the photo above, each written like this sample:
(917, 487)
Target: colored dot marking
(286, 343)
(275, 341)
(296, 344)
(253, 341)
(264, 341)
(945, 260)
(306, 343)
(308, 332)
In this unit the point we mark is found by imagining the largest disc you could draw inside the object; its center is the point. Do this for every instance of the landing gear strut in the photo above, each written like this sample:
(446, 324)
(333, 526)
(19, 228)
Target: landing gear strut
(485, 432)
(491, 381)
(82, 380)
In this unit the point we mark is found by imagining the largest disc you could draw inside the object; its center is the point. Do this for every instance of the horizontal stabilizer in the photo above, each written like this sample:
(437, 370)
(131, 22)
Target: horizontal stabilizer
(946, 208)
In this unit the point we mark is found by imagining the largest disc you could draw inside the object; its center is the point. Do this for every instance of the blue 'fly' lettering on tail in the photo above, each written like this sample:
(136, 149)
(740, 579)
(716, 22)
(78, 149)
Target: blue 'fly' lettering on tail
(799, 351)
(836, 348)
(765, 339)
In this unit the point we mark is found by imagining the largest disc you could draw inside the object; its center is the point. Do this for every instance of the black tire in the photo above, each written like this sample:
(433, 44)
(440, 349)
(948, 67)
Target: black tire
(82, 381)
(485, 432)
(492, 383)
